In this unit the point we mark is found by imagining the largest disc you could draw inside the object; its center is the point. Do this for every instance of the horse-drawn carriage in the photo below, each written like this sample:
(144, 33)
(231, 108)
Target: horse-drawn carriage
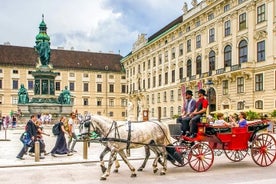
(235, 142)
(198, 152)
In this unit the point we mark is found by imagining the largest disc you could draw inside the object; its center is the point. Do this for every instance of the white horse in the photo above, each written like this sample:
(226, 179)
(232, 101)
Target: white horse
(155, 135)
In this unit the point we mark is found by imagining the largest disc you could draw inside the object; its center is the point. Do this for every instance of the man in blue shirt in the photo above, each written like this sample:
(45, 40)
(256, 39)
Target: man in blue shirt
(188, 107)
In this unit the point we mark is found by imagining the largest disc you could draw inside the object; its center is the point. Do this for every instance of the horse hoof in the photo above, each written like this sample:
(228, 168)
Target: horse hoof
(103, 178)
(162, 173)
(133, 175)
(116, 171)
(140, 169)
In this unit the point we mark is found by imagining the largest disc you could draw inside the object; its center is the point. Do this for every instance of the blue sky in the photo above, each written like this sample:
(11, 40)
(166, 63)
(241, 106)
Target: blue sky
(95, 25)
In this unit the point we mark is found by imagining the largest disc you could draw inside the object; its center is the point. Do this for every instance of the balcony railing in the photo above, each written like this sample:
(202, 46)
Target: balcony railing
(235, 67)
(220, 71)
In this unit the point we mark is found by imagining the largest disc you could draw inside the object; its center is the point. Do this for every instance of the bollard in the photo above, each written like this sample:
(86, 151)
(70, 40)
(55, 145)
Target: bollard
(37, 151)
(85, 149)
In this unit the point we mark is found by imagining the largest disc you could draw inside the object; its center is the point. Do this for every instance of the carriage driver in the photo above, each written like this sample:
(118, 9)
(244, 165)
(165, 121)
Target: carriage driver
(201, 107)
(188, 108)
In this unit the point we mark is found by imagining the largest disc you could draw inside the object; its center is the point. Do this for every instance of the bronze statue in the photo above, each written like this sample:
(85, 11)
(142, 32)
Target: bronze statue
(23, 96)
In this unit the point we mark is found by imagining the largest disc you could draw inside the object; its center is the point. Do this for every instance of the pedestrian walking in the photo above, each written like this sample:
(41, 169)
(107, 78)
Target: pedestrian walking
(60, 147)
(73, 128)
(31, 130)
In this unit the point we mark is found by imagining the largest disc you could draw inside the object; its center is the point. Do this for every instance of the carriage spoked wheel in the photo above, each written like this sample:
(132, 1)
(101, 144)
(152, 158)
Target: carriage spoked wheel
(182, 149)
(236, 155)
(201, 157)
(263, 149)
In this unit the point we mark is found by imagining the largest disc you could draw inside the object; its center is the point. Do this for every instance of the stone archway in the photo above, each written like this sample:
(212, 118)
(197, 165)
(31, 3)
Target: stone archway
(211, 96)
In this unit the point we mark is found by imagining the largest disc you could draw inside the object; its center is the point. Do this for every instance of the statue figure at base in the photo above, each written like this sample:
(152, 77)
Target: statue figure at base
(23, 96)
(65, 96)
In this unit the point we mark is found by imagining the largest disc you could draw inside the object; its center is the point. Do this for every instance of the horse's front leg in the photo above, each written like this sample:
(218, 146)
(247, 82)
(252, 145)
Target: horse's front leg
(147, 155)
(117, 165)
(104, 152)
(124, 157)
(164, 155)
(110, 163)
(156, 159)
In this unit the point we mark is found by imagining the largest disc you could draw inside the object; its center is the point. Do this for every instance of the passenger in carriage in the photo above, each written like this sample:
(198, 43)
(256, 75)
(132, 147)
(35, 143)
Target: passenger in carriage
(220, 121)
(201, 107)
(242, 120)
(188, 108)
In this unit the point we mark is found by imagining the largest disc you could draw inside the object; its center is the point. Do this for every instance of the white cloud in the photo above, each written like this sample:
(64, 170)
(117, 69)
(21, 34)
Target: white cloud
(102, 25)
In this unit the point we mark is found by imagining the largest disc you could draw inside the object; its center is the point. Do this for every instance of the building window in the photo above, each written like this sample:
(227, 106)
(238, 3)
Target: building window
(181, 73)
(261, 51)
(14, 100)
(149, 64)
(123, 114)
(111, 102)
(111, 88)
(173, 53)
(227, 56)
(189, 68)
(261, 13)
(1, 71)
(85, 101)
(148, 82)
(154, 82)
(15, 71)
(85, 87)
(148, 97)
(111, 114)
(99, 76)
(242, 21)
(211, 16)
(181, 49)
(14, 84)
(240, 106)
(160, 80)
(85, 75)
(241, 1)
(172, 95)
(123, 77)
(154, 62)
(112, 76)
(212, 61)
(197, 24)
(1, 84)
(198, 41)
(158, 97)
(123, 88)
(243, 51)
(166, 56)
(171, 112)
(164, 111)
(259, 104)
(226, 8)
(57, 86)
(165, 96)
(240, 85)
(71, 74)
(198, 65)
(123, 102)
(99, 87)
(259, 82)
(30, 84)
(173, 76)
(72, 86)
(227, 28)
(211, 35)
(166, 78)
(160, 59)
(225, 87)
(179, 94)
(188, 28)
(152, 112)
(99, 102)
(189, 46)
(152, 98)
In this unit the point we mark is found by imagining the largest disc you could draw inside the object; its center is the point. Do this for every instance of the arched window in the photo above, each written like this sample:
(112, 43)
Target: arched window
(227, 56)
(243, 51)
(198, 65)
(189, 68)
(259, 104)
(212, 61)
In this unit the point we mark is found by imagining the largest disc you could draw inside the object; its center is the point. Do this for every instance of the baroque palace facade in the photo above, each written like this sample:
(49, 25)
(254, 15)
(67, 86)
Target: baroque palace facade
(96, 80)
(224, 46)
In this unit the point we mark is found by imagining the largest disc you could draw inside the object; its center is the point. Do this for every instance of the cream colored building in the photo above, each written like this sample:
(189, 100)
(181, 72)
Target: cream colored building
(96, 80)
(225, 46)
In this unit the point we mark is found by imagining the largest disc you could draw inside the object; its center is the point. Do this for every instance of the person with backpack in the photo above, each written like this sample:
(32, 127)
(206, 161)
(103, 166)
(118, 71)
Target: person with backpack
(60, 147)
(31, 130)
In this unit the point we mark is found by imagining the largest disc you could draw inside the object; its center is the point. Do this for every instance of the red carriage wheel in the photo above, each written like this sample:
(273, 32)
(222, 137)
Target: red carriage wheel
(201, 157)
(263, 150)
(235, 155)
(182, 150)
